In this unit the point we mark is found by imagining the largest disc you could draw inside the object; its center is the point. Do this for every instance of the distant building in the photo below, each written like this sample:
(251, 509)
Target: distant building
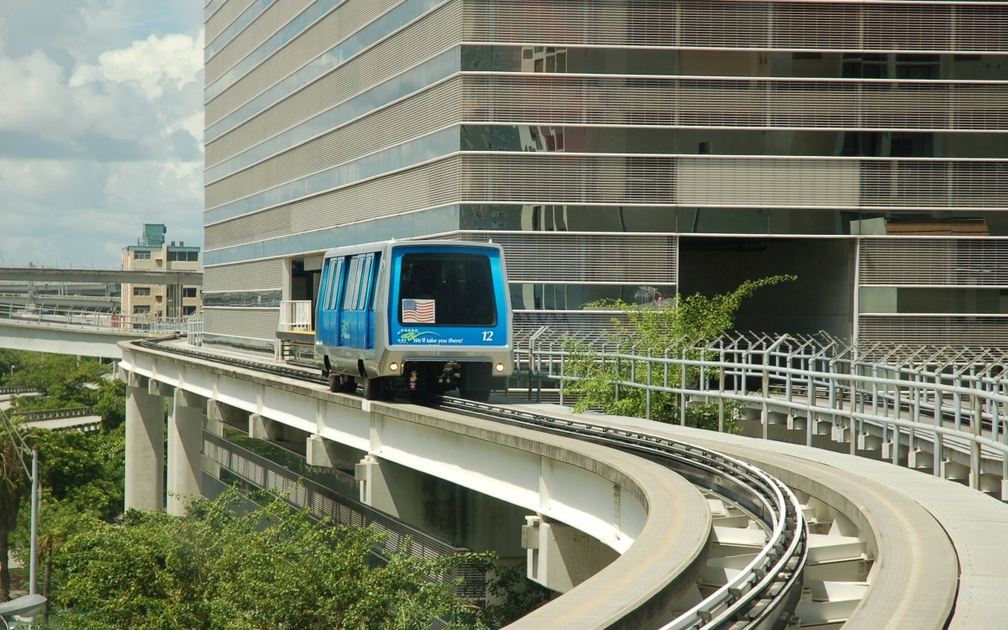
(159, 301)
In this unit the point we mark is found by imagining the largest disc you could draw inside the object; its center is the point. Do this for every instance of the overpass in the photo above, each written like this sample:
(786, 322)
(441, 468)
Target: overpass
(77, 320)
(889, 544)
(71, 276)
(64, 332)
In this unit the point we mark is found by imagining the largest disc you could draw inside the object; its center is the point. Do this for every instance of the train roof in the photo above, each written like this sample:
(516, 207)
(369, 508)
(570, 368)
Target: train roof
(388, 244)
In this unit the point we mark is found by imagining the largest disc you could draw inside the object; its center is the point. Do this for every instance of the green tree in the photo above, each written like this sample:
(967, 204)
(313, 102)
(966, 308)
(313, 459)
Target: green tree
(223, 568)
(14, 486)
(82, 470)
(110, 402)
(679, 325)
(61, 380)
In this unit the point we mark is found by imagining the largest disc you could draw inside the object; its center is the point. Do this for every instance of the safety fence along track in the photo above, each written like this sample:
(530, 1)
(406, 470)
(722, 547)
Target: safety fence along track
(941, 410)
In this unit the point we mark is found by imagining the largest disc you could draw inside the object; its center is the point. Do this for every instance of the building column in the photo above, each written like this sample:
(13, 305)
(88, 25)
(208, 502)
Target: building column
(145, 432)
(185, 447)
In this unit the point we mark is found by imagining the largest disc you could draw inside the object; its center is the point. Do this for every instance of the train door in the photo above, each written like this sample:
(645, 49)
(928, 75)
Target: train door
(358, 302)
(327, 314)
(349, 320)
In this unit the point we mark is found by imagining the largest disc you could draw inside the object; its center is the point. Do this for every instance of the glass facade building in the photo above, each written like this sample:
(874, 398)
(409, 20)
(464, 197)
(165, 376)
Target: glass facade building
(620, 148)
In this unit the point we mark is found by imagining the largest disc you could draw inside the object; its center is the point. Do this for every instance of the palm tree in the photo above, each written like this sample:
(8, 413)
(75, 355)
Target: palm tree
(14, 477)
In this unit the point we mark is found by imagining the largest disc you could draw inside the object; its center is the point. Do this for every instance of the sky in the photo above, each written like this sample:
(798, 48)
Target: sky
(101, 127)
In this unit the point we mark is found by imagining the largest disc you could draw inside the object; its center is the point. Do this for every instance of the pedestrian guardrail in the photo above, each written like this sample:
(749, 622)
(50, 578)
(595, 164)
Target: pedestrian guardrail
(952, 398)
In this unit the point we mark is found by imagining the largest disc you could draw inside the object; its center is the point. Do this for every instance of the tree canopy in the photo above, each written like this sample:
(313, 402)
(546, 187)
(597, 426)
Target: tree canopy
(221, 567)
(668, 330)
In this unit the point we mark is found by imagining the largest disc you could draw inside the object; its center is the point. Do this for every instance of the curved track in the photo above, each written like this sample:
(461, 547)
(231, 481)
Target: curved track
(765, 591)
(769, 586)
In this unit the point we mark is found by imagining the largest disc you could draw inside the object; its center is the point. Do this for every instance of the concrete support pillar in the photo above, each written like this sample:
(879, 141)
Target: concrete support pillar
(262, 428)
(319, 453)
(217, 415)
(145, 433)
(395, 490)
(559, 556)
(328, 454)
(185, 446)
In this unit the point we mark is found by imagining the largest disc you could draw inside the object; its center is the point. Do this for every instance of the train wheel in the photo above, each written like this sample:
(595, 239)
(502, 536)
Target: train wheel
(348, 385)
(334, 381)
(373, 388)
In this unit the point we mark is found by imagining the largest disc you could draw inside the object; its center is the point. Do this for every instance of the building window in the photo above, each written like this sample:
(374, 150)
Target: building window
(188, 292)
(141, 291)
(138, 255)
(188, 310)
(141, 310)
(183, 256)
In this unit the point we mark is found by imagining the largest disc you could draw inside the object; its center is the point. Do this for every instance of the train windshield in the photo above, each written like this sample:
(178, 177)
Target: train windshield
(446, 290)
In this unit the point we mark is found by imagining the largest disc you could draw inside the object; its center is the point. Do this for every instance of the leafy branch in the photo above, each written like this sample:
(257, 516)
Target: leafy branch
(675, 329)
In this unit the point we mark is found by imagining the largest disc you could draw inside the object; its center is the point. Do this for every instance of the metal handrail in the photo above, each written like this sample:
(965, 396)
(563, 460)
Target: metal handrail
(81, 318)
(840, 387)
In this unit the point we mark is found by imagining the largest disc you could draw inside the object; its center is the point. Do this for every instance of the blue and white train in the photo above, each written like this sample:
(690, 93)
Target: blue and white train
(423, 317)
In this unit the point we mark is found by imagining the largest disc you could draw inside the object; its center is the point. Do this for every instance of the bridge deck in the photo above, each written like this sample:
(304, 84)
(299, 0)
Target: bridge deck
(938, 544)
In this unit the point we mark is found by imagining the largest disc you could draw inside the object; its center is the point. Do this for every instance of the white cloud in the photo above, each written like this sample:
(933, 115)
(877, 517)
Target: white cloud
(101, 126)
(27, 99)
(175, 60)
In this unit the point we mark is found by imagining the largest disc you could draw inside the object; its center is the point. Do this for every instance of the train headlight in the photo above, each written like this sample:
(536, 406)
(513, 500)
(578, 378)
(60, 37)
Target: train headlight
(393, 366)
(499, 367)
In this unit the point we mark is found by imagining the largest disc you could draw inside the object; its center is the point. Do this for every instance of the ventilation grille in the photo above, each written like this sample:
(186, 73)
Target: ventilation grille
(573, 258)
(249, 276)
(274, 17)
(743, 182)
(693, 181)
(842, 183)
(416, 116)
(569, 179)
(248, 229)
(606, 100)
(241, 322)
(430, 186)
(422, 40)
(967, 331)
(223, 16)
(842, 25)
(934, 184)
(907, 261)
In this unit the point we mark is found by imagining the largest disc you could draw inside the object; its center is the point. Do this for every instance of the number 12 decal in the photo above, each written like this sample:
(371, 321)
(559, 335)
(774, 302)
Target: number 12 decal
(488, 335)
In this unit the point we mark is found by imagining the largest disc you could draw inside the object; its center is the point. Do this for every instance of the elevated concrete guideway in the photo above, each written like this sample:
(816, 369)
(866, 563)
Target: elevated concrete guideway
(103, 276)
(63, 338)
(648, 529)
(73, 328)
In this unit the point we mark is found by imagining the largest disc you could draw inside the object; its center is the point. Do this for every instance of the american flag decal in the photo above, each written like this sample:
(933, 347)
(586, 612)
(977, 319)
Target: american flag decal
(418, 311)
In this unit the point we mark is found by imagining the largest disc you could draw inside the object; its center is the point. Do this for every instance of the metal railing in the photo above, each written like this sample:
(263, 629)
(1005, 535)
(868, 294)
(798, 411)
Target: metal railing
(954, 398)
(295, 315)
(77, 318)
(323, 502)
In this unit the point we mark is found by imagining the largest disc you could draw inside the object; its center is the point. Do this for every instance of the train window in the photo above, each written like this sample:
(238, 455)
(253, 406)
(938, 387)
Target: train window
(327, 284)
(372, 291)
(366, 296)
(335, 281)
(447, 289)
(352, 284)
